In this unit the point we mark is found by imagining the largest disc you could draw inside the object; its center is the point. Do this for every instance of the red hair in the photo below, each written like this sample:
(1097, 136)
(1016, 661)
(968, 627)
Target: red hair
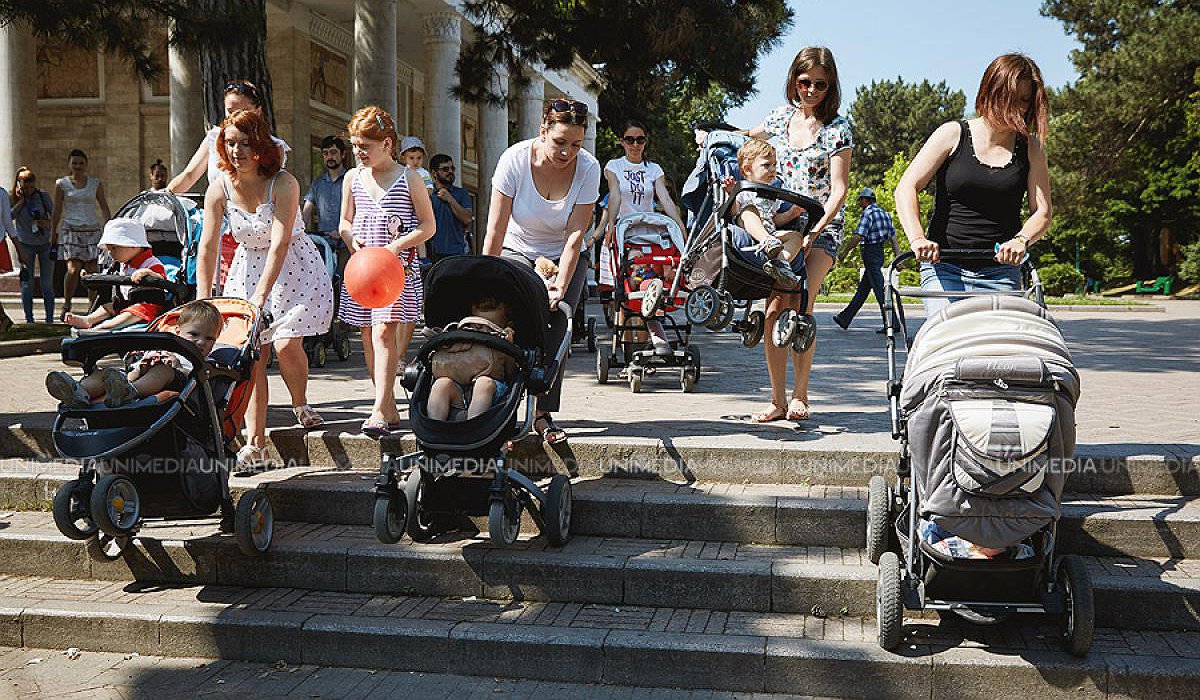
(999, 91)
(258, 132)
(373, 123)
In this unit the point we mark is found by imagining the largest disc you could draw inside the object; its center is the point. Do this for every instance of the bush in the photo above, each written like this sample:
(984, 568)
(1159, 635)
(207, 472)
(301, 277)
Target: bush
(1060, 279)
(842, 280)
(1189, 268)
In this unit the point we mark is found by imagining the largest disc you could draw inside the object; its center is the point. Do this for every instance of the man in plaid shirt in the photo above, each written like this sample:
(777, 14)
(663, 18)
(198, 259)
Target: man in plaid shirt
(874, 230)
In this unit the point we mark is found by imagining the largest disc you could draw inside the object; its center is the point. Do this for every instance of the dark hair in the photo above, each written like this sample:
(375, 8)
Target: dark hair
(805, 60)
(255, 127)
(996, 100)
(201, 312)
(156, 165)
(634, 124)
(564, 110)
(333, 142)
(76, 153)
(436, 161)
(247, 89)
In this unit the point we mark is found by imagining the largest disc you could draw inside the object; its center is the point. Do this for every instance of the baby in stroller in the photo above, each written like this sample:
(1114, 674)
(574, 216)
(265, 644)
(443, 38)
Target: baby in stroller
(158, 370)
(473, 369)
(125, 240)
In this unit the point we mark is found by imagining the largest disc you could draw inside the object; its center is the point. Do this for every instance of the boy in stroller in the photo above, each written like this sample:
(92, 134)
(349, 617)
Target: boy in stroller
(125, 240)
(471, 368)
(759, 217)
(158, 370)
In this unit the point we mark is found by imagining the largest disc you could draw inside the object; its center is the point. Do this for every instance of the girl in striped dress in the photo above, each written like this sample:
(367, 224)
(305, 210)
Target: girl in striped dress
(383, 204)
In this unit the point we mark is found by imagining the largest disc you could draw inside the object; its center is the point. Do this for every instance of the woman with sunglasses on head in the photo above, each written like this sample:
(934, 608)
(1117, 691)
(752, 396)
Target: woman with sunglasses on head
(543, 194)
(275, 267)
(813, 145)
(634, 184)
(984, 167)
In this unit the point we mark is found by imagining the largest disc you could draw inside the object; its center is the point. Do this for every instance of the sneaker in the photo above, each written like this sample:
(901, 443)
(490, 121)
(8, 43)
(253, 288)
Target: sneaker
(770, 248)
(63, 387)
(661, 345)
(843, 323)
(781, 273)
(118, 390)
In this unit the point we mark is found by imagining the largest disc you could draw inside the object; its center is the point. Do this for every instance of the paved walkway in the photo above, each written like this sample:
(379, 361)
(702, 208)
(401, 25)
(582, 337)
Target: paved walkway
(1140, 376)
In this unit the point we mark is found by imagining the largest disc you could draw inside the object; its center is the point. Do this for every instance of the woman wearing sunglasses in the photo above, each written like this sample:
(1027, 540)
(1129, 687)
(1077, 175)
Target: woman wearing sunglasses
(813, 146)
(634, 184)
(543, 194)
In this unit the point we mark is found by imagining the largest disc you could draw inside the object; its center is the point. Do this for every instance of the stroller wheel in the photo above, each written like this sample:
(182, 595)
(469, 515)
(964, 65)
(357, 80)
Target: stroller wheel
(105, 547)
(341, 346)
(71, 513)
(391, 517)
(702, 305)
(319, 355)
(591, 334)
(421, 526)
(724, 316)
(116, 505)
(687, 380)
(652, 297)
(254, 523)
(692, 357)
(635, 381)
(1078, 603)
(806, 333)
(504, 519)
(754, 327)
(603, 364)
(786, 328)
(878, 502)
(889, 602)
(557, 510)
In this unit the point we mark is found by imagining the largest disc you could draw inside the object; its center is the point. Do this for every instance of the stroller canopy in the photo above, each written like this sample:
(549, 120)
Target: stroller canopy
(649, 228)
(455, 283)
(718, 158)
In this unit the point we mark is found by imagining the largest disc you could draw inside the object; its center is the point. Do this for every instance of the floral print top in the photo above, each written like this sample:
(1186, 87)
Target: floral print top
(807, 170)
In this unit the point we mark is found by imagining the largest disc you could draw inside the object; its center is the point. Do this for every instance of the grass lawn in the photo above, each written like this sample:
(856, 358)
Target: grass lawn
(34, 331)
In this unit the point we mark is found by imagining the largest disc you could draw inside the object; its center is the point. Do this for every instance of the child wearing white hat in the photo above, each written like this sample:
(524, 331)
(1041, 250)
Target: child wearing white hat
(125, 241)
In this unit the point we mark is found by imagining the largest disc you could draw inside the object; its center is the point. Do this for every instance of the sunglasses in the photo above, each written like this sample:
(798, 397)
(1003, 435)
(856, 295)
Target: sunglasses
(242, 88)
(579, 109)
(818, 85)
(634, 139)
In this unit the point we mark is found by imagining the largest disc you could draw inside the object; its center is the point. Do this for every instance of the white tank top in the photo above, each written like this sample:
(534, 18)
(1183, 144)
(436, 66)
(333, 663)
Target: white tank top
(79, 203)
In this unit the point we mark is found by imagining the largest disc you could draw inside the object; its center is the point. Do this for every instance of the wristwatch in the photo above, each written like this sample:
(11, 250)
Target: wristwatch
(1023, 239)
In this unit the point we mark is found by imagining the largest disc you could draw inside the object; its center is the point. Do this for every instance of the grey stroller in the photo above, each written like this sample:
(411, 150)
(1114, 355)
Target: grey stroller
(985, 417)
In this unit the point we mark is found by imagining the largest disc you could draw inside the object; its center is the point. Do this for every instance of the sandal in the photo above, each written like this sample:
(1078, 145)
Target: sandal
(800, 413)
(307, 417)
(776, 413)
(378, 428)
(251, 459)
(551, 433)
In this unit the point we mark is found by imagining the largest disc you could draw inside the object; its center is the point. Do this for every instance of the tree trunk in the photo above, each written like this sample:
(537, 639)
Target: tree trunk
(221, 62)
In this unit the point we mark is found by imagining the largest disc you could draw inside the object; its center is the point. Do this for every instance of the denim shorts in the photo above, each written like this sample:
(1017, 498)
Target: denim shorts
(831, 239)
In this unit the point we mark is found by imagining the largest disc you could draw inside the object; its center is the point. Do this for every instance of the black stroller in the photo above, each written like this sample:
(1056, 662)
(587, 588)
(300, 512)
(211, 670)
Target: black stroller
(720, 280)
(337, 336)
(460, 468)
(985, 416)
(166, 456)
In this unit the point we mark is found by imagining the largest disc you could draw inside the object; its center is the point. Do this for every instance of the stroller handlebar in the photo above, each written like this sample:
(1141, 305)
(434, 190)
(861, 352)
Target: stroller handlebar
(811, 206)
(904, 257)
(91, 281)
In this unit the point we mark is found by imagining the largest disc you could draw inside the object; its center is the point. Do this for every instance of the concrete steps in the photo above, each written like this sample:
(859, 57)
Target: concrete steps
(590, 644)
(602, 570)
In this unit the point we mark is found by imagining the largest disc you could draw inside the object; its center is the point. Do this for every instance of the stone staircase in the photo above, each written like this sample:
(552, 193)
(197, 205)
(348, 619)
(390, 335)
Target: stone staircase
(759, 586)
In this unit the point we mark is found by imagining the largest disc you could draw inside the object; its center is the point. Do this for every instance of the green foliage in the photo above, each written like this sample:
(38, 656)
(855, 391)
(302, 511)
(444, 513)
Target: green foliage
(892, 116)
(842, 279)
(1061, 279)
(1189, 269)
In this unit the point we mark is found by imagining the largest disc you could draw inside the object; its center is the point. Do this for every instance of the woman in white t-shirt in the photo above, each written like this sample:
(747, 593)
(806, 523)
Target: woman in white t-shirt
(633, 184)
(543, 194)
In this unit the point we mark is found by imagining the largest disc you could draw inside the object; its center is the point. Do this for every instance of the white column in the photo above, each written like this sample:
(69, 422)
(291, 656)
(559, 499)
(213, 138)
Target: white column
(529, 107)
(589, 138)
(443, 112)
(375, 54)
(187, 107)
(18, 101)
(493, 125)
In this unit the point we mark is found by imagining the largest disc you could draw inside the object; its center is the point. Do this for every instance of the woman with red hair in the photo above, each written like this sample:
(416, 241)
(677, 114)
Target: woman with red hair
(275, 266)
(985, 167)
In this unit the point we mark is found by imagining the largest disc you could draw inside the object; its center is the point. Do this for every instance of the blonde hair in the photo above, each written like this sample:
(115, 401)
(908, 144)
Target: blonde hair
(373, 123)
(201, 313)
(754, 148)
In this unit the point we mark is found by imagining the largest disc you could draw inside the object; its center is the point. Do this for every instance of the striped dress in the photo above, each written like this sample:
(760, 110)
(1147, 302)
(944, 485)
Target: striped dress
(377, 224)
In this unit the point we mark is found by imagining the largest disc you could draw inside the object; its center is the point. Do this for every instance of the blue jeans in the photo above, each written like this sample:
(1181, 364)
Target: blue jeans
(952, 278)
(45, 261)
(871, 281)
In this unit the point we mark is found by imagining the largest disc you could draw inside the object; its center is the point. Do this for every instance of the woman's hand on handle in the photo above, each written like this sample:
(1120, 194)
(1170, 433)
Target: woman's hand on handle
(1011, 252)
(925, 250)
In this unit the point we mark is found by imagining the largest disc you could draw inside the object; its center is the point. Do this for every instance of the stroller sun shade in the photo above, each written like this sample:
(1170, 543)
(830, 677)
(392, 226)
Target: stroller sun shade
(455, 283)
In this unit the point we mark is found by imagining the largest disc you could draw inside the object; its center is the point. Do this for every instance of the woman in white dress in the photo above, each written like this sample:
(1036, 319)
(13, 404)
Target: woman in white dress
(275, 266)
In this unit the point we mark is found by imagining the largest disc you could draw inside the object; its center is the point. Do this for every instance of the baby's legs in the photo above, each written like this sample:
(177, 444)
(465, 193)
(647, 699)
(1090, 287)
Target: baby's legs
(89, 320)
(153, 380)
(481, 396)
(121, 320)
(793, 243)
(443, 393)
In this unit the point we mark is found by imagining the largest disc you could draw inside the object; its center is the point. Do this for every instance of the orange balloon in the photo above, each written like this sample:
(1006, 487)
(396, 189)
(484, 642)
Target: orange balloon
(374, 277)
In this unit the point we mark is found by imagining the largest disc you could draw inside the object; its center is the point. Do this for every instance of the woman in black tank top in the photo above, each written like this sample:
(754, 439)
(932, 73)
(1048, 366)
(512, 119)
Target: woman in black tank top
(984, 168)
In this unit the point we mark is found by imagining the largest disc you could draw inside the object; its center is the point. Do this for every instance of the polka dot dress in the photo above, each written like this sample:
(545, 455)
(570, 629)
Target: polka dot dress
(301, 302)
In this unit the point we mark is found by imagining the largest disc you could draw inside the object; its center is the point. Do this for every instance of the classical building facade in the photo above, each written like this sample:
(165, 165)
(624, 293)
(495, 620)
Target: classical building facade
(326, 58)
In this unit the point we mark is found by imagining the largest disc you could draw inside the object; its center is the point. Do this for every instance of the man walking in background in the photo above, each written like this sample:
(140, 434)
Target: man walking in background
(875, 228)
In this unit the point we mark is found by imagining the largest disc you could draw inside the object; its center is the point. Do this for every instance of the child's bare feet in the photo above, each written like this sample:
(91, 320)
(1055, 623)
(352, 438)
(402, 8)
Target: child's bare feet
(76, 321)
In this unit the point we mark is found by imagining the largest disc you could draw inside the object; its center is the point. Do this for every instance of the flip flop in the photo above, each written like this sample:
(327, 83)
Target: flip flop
(798, 414)
(376, 428)
(551, 433)
(776, 413)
